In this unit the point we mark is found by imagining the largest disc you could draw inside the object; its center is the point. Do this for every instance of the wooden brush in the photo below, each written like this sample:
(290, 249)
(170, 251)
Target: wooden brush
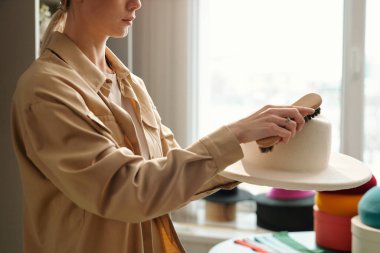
(311, 100)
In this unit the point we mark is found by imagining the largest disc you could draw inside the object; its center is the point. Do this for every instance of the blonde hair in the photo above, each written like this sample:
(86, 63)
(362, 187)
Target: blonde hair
(57, 23)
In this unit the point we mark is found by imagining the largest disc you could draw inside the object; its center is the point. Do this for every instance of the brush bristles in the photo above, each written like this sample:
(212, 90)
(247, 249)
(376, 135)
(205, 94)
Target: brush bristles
(266, 150)
(306, 118)
(316, 113)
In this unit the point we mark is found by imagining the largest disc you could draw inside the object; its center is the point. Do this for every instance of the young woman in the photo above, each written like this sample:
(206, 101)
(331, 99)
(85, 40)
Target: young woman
(100, 172)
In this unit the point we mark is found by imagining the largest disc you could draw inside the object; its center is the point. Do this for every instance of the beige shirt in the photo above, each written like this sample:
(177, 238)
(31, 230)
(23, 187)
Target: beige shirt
(86, 187)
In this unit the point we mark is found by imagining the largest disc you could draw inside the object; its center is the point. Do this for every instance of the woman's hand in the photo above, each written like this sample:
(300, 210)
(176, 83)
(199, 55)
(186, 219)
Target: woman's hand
(282, 121)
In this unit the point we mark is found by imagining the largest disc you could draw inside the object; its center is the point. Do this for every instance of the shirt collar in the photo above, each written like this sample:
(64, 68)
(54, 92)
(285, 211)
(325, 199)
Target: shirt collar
(120, 69)
(69, 52)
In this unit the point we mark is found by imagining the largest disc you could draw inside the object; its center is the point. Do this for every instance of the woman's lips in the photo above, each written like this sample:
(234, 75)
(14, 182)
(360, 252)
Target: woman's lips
(129, 19)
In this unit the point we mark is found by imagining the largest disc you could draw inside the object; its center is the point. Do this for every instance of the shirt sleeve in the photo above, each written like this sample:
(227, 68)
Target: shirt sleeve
(213, 184)
(110, 181)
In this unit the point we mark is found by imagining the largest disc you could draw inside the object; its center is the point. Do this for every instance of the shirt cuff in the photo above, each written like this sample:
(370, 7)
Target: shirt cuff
(223, 147)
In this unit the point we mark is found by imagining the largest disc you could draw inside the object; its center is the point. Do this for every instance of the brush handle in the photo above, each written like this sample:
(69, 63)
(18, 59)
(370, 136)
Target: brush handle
(311, 100)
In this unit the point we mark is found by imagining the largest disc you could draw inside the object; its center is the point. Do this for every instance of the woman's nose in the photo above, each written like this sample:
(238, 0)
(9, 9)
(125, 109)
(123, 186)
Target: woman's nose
(134, 5)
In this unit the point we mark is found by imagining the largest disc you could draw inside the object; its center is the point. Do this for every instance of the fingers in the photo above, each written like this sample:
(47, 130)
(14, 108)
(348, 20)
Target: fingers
(295, 113)
(287, 120)
(284, 123)
(304, 110)
(282, 132)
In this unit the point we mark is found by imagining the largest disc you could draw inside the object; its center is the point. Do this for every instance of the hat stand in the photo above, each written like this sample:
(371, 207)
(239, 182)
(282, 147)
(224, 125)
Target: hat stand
(221, 206)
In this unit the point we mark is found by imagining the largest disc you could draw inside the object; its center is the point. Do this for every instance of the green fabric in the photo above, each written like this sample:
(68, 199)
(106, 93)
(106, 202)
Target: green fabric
(286, 239)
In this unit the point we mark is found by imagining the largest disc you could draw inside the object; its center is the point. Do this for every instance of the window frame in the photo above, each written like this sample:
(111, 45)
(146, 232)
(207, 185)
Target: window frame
(352, 93)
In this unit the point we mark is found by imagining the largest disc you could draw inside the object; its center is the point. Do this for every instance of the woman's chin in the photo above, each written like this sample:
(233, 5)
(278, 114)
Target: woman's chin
(121, 34)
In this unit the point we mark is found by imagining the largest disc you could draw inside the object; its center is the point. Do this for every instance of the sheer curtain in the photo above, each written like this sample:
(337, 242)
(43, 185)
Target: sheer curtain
(162, 52)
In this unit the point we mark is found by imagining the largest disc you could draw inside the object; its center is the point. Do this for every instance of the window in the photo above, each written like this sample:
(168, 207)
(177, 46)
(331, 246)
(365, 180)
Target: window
(254, 52)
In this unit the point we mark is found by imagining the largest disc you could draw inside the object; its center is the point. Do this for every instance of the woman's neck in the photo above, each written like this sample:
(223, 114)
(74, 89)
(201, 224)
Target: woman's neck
(91, 44)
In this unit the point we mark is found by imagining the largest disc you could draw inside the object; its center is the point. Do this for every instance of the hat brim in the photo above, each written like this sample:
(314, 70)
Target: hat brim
(241, 195)
(343, 172)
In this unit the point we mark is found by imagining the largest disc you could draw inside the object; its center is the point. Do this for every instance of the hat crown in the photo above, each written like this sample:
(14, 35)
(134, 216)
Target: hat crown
(308, 151)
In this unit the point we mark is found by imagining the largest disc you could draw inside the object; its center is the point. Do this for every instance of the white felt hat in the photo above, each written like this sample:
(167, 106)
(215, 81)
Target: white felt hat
(305, 163)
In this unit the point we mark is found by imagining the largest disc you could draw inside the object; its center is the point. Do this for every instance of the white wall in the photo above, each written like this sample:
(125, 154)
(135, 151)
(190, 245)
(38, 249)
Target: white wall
(17, 52)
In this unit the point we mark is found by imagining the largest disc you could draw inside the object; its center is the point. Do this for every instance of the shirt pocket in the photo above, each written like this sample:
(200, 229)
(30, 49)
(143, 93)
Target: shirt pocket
(107, 124)
(151, 124)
